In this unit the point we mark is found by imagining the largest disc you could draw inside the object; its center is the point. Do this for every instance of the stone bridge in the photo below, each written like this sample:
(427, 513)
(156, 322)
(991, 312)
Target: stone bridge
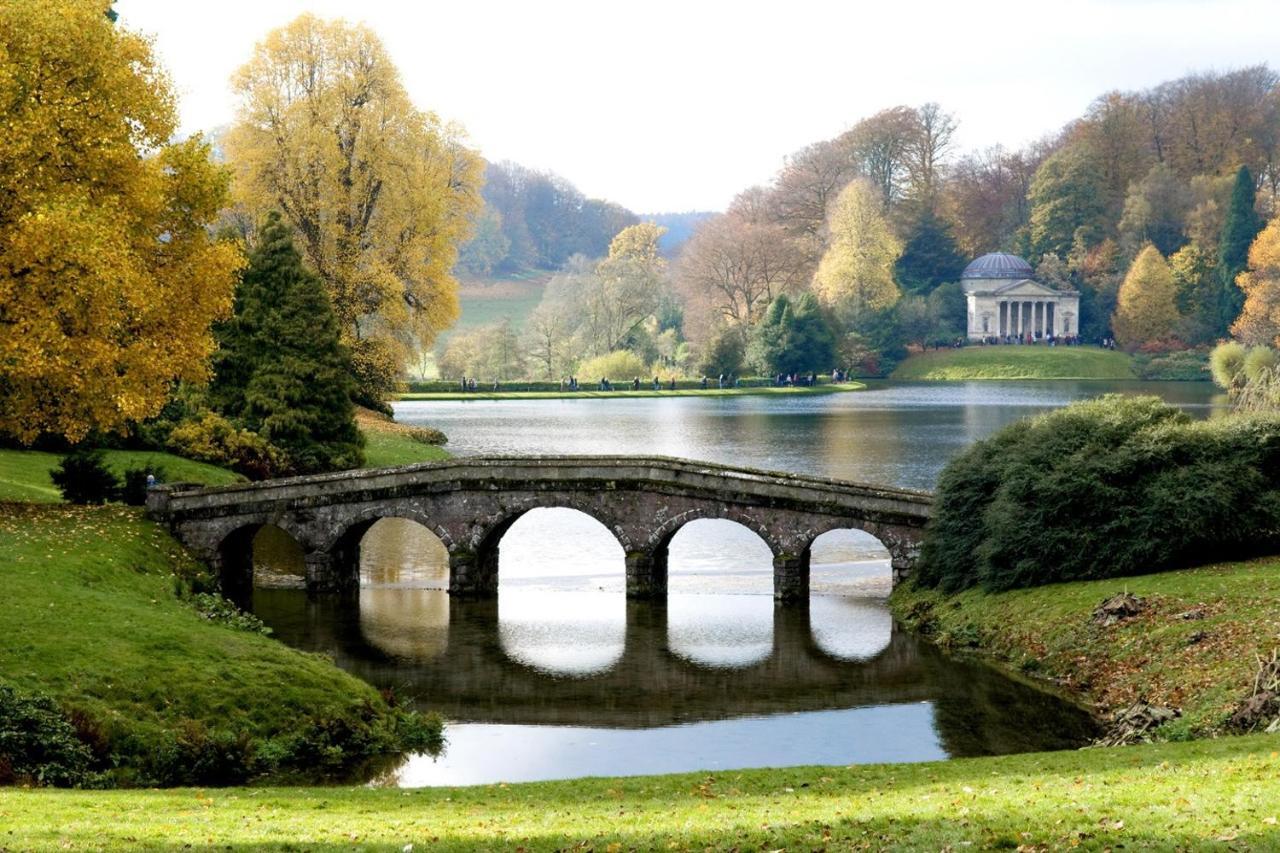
(469, 503)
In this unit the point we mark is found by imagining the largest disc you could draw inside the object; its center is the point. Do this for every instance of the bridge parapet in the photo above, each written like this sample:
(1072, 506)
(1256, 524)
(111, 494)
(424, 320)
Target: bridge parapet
(470, 502)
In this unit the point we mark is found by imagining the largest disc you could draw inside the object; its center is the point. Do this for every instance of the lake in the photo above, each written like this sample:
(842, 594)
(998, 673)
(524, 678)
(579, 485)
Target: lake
(562, 677)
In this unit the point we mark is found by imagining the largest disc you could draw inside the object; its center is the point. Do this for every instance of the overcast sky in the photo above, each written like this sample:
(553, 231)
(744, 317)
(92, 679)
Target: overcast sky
(669, 106)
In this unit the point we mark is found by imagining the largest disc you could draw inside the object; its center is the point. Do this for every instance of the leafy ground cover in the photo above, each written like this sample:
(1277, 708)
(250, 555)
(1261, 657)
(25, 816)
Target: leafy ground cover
(1204, 795)
(627, 393)
(24, 474)
(1194, 646)
(1016, 362)
(94, 615)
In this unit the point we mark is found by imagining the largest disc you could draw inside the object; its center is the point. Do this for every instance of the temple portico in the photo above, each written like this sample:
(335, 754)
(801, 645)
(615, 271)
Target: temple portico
(1005, 302)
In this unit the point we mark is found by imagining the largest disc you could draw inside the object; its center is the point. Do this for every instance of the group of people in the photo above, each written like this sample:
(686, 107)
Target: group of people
(1035, 338)
(797, 380)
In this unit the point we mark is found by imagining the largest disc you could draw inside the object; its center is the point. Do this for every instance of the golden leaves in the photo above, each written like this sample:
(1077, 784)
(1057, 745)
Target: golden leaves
(108, 279)
(379, 192)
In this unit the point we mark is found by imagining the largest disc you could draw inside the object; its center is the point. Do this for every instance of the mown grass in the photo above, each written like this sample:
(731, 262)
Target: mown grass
(24, 474)
(1205, 795)
(90, 616)
(1194, 647)
(1016, 362)
(764, 391)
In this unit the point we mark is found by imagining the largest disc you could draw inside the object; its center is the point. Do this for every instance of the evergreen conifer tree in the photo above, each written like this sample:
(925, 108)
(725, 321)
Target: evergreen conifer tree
(930, 256)
(281, 370)
(1239, 228)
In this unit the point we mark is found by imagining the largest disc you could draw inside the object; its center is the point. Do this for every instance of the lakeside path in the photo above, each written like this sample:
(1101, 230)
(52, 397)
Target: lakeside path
(763, 391)
(1204, 795)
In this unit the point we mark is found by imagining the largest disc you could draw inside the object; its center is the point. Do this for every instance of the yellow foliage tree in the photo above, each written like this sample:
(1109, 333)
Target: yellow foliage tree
(1259, 321)
(856, 272)
(1147, 305)
(380, 193)
(109, 281)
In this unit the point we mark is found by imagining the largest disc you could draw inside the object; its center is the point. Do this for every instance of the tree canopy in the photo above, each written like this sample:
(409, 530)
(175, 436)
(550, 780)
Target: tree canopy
(1147, 309)
(109, 279)
(379, 192)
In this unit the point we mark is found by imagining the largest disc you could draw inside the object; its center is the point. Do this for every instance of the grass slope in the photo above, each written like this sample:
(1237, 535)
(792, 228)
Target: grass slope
(765, 391)
(1206, 795)
(1204, 666)
(1016, 362)
(24, 474)
(389, 443)
(485, 301)
(90, 617)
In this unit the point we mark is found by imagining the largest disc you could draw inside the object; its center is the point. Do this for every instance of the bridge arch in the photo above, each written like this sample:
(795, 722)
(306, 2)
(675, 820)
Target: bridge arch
(344, 547)
(476, 571)
(235, 558)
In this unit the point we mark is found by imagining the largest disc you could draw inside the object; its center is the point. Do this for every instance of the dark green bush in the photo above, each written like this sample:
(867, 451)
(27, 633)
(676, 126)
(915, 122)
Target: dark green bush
(1181, 366)
(38, 744)
(1111, 487)
(84, 478)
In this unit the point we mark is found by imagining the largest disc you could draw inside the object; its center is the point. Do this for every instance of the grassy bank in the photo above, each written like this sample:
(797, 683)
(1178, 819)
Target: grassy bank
(1194, 646)
(92, 616)
(24, 474)
(388, 443)
(1206, 795)
(763, 391)
(1016, 362)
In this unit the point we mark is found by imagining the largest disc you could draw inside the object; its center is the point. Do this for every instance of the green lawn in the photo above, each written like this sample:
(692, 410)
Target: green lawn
(24, 474)
(764, 391)
(1016, 362)
(383, 449)
(91, 617)
(1206, 795)
(1047, 631)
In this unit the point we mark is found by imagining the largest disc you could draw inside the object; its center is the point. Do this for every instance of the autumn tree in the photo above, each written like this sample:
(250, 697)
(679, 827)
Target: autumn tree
(1259, 321)
(856, 272)
(109, 279)
(628, 287)
(806, 186)
(379, 192)
(885, 147)
(732, 268)
(1196, 282)
(986, 197)
(282, 371)
(1155, 211)
(1147, 308)
(1239, 229)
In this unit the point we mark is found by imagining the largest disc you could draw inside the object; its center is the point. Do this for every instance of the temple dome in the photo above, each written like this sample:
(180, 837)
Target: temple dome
(998, 265)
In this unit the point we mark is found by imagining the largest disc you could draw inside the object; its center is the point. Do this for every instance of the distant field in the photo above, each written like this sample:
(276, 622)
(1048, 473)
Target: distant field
(1016, 362)
(491, 300)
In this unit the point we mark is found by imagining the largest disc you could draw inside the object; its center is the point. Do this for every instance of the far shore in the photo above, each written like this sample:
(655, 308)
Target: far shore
(627, 393)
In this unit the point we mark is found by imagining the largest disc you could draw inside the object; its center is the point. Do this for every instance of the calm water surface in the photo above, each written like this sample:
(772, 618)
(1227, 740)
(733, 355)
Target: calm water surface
(562, 677)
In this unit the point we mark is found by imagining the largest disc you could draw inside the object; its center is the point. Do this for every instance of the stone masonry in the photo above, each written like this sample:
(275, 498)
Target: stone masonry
(470, 502)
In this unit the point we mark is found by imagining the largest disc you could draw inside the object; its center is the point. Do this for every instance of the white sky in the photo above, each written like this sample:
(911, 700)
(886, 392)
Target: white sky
(669, 106)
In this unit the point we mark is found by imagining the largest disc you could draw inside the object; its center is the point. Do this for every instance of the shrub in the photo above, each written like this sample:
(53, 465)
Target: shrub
(1181, 366)
(84, 478)
(1110, 487)
(618, 366)
(214, 439)
(38, 744)
(215, 608)
(1226, 363)
(133, 489)
(1259, 361)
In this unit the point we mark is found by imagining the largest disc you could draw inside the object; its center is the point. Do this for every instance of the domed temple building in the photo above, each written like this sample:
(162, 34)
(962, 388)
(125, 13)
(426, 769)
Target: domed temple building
(1005, 301)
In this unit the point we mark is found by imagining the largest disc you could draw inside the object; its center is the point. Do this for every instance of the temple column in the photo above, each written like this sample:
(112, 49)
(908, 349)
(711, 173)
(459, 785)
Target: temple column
(1017, 318)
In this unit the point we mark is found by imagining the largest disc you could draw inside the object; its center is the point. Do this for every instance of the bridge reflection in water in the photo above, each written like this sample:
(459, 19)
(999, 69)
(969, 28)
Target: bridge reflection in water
(564, 670)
